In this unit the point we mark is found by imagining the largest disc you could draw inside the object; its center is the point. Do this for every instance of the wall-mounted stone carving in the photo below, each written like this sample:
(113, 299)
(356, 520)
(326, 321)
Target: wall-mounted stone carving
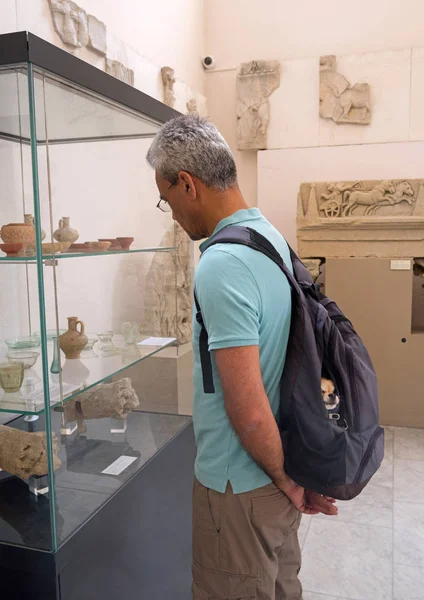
(164, 314)
(192, 107)
(340, 101)
(256, 81)
(96, 35)
(168, 82)
(70, 22)
(120, 71)
(383, 218)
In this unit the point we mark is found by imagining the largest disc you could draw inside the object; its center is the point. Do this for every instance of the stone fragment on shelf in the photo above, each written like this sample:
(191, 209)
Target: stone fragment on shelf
(168, 81)
(24, 454)
(70, 22)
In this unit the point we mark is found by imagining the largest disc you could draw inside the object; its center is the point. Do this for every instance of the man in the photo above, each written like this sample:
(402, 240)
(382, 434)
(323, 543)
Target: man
(246, 510)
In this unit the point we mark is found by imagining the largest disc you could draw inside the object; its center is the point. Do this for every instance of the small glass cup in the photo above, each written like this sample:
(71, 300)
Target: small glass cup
(107, 347)
(88, 350)
(11, 377)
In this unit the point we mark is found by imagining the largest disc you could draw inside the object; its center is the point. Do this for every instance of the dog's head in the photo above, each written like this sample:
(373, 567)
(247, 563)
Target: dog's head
(330, 398)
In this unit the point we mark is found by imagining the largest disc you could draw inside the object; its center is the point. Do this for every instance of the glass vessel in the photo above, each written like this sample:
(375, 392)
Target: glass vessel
(73, 142)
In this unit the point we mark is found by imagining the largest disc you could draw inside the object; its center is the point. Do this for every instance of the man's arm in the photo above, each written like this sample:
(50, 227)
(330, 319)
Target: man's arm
(250, 414)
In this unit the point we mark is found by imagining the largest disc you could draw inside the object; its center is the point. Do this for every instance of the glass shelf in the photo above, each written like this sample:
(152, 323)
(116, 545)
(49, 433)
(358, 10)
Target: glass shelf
(78, 375)
(31, 259)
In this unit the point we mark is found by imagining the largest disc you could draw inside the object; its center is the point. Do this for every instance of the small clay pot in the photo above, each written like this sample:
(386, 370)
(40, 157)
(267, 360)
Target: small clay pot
(115, 244)
(125, 242)
(18, 233)
(51, 248)
(99, 246)
(73, 341)
(14, 249)
(77, 248)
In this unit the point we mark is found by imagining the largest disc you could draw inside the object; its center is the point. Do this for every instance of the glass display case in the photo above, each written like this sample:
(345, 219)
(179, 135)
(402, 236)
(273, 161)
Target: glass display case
(93, 279)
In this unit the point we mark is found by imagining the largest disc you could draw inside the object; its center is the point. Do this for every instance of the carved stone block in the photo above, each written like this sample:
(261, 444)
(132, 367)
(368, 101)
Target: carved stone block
(256, 81)
(192, 107)
(70, 22)
(120, 71)
(338, 99)
(25, 454)
(167, 315)
(361, 218)
(314, 266)
(96, 35)
(168, 82)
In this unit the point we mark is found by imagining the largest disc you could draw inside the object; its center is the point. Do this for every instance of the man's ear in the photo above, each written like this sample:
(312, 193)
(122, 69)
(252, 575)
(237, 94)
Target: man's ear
(188, 182)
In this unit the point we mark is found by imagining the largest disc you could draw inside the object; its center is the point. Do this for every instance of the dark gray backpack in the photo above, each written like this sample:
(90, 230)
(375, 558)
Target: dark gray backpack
(333, 453)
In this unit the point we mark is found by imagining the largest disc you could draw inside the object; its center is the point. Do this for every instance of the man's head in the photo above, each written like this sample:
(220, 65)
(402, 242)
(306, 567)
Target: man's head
(194, 168)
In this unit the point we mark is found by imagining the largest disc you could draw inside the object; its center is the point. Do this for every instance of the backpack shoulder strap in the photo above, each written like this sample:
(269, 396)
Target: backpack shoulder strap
(245, 236)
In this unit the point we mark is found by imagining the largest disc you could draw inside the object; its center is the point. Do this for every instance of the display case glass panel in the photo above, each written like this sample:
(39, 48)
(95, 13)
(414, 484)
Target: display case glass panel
(94, 301)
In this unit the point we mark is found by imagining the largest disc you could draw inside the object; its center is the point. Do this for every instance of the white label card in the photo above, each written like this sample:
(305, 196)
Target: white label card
(156, 341)
(119, 465)
(400, 265)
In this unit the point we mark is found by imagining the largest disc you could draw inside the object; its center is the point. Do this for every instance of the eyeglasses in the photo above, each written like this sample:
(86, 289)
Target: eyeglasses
(163, 204)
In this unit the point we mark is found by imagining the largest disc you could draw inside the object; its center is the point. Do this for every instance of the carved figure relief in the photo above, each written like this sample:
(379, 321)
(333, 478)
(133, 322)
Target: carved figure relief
(364, 198)
(165, 315)
(70, 22)
(340, 101)
(168, 82)
(192, 107)
(120, 71)
(256, 81)
(378, 218)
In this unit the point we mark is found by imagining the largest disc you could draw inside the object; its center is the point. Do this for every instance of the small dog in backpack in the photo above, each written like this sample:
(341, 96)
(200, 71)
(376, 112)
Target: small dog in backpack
(330, 398)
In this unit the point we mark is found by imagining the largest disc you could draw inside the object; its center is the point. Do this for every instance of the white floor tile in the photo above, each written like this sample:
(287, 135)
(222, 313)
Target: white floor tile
(409, 534)
(409, 481)
(303, 529)
(342, 558)
(316, 596)
(409, 583)
(409, 443)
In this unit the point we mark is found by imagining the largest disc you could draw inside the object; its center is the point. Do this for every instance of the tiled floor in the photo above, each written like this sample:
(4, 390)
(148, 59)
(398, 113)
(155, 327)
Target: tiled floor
(374, 549)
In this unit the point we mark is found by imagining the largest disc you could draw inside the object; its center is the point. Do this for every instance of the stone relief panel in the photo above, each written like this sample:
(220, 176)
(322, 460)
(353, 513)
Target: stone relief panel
(70, 22)
(362, 199)
(192, 108)
(120, 71)
(168, 82)
(77, 29)
(380, 218)
(338, 99)
(164, 314)
(256, 81)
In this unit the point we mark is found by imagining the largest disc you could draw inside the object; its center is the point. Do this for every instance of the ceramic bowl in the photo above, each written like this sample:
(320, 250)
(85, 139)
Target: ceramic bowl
(99, 246)
(125, 242)
(115, 244)
(13, 249)
(17, 233)
(52, 248)
(22, 343)
(78, 248)
(28, 359)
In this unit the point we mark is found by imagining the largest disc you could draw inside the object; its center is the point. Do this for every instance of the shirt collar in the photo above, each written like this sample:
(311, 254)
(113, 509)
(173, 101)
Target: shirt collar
(249, 214)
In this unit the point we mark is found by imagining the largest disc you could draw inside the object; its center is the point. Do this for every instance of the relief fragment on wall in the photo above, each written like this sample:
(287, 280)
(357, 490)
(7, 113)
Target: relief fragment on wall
(386, 198)
(167, 314)
(338, 99)
(168, 82)
(77, 29)
(256, 81)
(120, 71)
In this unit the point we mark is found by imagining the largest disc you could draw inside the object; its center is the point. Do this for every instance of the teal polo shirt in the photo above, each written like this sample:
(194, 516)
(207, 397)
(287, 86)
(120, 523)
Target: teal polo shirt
(245, 301)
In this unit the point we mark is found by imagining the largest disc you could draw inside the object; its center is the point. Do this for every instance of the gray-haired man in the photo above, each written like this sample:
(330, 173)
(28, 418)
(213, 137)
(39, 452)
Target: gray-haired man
(246, 511)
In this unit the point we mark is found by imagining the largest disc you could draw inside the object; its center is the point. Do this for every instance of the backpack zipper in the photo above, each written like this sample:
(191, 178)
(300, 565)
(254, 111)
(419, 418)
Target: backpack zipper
(365, 459)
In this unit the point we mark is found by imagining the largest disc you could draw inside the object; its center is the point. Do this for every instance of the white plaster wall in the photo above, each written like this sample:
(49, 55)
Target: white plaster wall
(241, 30)
(280, 173)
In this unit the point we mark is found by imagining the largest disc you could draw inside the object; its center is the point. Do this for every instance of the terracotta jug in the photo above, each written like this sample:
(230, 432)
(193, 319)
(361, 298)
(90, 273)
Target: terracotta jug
(73, 341)
(65, 233)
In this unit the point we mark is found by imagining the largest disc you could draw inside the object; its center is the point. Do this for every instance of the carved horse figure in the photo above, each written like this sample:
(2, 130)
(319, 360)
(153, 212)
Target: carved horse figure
(369, 199)
(404, 193)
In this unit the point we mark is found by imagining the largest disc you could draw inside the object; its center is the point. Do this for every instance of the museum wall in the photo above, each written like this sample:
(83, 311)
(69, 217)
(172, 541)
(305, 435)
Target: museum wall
(143, 38)
(373, 42)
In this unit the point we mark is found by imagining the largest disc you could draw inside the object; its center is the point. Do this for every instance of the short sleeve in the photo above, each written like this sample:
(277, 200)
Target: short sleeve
(229, 298)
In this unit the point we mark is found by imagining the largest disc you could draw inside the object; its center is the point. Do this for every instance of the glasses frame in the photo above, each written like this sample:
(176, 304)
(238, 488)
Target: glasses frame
(163, 204)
